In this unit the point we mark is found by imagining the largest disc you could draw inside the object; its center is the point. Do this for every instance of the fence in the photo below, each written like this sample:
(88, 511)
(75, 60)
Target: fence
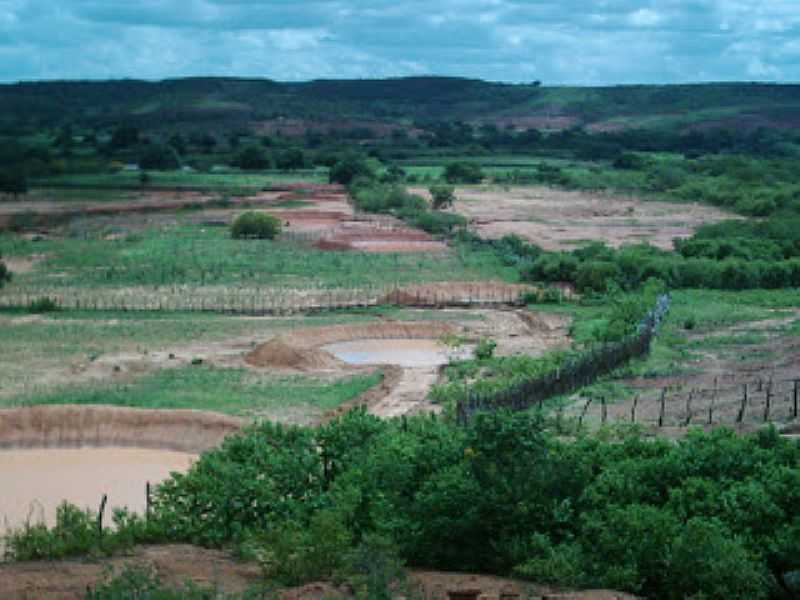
(752, 402)
(262, 301)
(570, 376)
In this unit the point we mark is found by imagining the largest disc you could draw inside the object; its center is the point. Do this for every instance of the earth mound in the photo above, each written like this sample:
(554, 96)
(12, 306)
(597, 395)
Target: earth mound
(278, 353)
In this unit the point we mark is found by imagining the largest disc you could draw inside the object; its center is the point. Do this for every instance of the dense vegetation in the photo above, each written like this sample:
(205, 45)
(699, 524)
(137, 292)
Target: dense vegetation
(711, 516)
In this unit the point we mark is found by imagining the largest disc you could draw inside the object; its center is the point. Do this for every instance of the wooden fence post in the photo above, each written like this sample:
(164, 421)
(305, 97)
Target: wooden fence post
(768, 405)
(713, 401)
(743, 407)
(603, 409)
(633, 409)
(100, 515)
(794, 397)
(585, 410)
(689, 399)
(148, 500)
(663, 407)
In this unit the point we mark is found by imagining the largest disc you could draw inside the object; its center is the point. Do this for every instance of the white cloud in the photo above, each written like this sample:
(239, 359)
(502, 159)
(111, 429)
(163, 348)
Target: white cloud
(644, 17)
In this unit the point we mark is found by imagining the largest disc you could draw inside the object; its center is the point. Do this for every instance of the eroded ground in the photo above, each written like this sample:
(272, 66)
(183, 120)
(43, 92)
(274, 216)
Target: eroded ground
(177, 564)
(561, 220)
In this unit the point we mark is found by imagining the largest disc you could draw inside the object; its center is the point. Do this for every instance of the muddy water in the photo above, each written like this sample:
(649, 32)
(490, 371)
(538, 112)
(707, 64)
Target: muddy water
(401, 352)
(34, 482)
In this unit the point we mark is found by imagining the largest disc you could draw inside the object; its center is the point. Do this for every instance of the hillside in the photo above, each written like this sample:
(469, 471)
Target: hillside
(229, 103)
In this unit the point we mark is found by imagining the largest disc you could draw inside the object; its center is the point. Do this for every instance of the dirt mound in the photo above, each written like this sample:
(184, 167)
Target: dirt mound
(70, 426)
(300, 349)
(278, 353)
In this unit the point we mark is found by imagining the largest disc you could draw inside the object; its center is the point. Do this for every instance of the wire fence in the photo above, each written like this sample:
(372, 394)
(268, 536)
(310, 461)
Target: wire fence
(758, 401)
(572, 375)
(259, 301)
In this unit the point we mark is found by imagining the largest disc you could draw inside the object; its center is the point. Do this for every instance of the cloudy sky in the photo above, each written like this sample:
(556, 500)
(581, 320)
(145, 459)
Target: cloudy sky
(556, 41)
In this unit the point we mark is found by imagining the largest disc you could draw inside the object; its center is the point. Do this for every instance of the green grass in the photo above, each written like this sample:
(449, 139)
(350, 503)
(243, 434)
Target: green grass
(725, 341)
(242, 392)
(193, 255)
(224, 180)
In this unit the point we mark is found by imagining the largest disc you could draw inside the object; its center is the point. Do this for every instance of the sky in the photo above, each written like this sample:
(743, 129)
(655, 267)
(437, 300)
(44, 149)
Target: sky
(571, 42)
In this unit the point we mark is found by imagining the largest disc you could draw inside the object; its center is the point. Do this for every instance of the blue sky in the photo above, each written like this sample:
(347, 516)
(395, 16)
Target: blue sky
(557, 42)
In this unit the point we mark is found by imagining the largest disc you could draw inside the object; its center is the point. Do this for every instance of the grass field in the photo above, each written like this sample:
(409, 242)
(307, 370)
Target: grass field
(241, 392)
(193, 255)
(225, 179)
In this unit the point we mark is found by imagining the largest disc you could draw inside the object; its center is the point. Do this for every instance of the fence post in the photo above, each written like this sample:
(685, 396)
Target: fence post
(743, 407)
(148, 500)
(585, 410)
(663, 407)
(794, 397)
(633, 409)
(603, 409)
(689, 399)
(769, 401)
(100, 515)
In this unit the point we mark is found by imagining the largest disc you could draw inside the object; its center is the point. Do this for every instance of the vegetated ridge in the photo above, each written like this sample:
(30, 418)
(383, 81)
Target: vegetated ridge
(232, 102)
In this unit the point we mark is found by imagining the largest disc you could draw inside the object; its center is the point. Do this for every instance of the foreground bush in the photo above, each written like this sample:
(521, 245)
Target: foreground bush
(713, 514)
(257, 225)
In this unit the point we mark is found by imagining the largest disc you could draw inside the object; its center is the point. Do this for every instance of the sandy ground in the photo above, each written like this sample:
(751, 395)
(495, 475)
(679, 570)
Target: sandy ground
(558, 219)
(177, 564)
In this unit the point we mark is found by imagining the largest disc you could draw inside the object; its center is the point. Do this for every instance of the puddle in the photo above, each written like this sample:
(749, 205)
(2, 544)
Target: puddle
(401, 352)
(35, 481)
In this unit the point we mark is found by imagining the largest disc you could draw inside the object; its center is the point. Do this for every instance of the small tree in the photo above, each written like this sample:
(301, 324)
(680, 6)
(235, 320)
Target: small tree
(258, 225)
(14, 182)
(5, 274)
(252, 158)
(443, 195)
(463, 172)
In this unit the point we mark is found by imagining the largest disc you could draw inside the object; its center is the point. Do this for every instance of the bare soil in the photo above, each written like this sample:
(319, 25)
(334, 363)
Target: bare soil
(560, 220)
(68, 426)
(177, 564)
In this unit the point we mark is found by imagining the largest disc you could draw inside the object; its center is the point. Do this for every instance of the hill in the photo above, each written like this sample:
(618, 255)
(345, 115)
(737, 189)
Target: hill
(230, 103)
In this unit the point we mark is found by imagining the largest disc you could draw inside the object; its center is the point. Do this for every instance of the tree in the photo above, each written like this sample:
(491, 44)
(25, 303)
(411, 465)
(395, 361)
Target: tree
(5, 274)
(14, 182)
(290, 160)
(349, 169)
(252, 158)
(124, 136)
(463, 172)
(159, 157)
(258, 225)
(443, 196)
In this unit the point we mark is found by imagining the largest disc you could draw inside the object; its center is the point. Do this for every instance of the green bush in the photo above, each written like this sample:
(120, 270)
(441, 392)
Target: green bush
(442, 195)
(258, 225)
(43, 305)
(463, 172)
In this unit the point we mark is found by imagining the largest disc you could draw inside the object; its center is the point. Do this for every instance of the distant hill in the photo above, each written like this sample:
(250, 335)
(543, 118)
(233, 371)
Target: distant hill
(228, 103)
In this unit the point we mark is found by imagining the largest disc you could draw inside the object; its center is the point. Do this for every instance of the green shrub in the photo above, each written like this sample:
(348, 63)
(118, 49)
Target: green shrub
(463, 172)
(485, 349)
(442, 196)
(259, 225)
(44, 304)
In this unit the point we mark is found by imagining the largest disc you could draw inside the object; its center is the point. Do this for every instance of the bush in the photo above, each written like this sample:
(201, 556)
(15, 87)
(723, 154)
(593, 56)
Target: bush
(442, 195)
(252, 158)
(159, 157)
(258, 225)
(43, 305)
(463, 172)
(349, 169)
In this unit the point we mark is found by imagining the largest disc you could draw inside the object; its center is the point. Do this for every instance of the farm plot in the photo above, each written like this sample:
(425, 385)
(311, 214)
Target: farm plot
(562, 220)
